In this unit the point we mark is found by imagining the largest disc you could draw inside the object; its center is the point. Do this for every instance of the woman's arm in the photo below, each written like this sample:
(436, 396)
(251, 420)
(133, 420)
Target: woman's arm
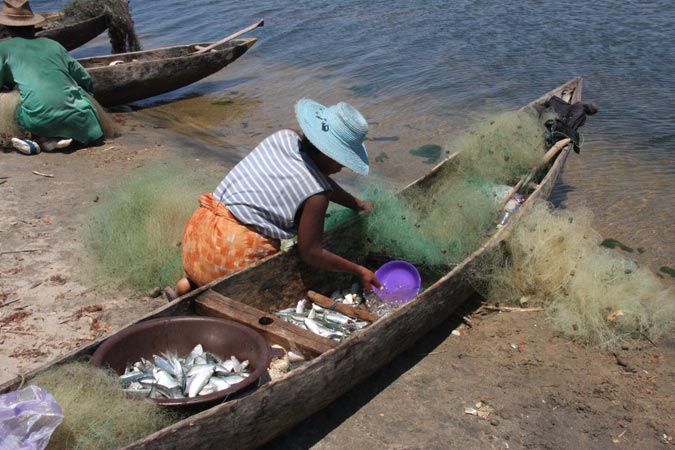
(310, 237)
(344, 198)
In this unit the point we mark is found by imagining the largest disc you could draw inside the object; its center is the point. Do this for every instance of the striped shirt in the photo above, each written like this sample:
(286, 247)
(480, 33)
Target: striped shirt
(266, 188)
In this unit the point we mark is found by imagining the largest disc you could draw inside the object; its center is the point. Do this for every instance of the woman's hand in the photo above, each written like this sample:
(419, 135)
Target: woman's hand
(368, 279)
(365, 205)
(344, 198)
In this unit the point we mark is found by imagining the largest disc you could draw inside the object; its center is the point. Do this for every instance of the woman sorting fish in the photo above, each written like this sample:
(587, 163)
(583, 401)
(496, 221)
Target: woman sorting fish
(280, 190)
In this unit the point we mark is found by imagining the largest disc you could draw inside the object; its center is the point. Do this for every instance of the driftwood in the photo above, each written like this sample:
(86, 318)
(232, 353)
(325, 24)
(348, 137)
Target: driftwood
(507, 309)
(347, 310)
(28, 250)
(48, 175)
(2, 305)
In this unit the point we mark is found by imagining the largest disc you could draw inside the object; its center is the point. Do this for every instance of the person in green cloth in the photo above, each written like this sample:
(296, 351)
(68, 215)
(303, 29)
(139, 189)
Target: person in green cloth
(54, 107)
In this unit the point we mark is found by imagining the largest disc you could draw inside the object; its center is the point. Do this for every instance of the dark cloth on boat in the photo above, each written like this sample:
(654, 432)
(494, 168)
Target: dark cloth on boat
(570, 117)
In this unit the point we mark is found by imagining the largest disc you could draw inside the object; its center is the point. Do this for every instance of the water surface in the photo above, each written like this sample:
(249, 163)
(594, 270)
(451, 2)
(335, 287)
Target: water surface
(422, 72)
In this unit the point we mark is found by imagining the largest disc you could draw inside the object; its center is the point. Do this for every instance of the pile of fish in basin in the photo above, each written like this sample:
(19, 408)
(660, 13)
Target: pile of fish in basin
(188, 360)
(171, 376)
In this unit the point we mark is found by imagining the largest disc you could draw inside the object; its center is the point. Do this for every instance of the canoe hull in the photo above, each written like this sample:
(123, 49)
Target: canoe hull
(73, 35)
(145, 74)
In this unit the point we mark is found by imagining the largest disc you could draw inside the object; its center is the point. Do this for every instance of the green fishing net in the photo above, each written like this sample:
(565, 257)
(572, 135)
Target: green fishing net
(440, 223)
(137, 227)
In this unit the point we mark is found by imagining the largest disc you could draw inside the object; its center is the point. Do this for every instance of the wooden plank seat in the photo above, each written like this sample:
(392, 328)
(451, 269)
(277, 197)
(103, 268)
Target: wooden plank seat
(275, 330)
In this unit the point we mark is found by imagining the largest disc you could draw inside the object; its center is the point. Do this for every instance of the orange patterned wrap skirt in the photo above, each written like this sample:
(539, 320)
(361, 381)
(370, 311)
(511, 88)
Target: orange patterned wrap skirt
(215, 243)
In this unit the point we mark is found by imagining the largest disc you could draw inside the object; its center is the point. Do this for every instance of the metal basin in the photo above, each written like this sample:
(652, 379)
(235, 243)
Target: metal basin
(179, 335)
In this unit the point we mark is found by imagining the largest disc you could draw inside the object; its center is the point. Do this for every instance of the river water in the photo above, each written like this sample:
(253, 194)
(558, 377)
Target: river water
(422, 72)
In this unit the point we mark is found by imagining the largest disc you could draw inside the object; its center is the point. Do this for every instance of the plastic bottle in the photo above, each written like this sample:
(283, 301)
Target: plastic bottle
(511, 206)
(503, 218)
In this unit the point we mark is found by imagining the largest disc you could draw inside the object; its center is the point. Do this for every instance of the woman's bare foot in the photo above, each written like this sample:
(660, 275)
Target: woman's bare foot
(184, 286)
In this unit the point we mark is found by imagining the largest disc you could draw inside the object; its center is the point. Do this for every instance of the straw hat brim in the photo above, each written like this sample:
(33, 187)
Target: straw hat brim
(8, 21)
(309, 114)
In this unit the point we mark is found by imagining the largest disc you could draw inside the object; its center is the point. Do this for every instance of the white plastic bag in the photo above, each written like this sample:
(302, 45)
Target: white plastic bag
(28, 418)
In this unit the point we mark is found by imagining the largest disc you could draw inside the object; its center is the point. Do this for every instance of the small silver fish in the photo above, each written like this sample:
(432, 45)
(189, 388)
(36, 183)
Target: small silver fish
(208, 389)
(219, 383)
(198, 368)
(163, 379)
(162, 363)
(211, 358)
(338, 318)
(234, 379)
(197, 383)
(236, 364)
(131, 376)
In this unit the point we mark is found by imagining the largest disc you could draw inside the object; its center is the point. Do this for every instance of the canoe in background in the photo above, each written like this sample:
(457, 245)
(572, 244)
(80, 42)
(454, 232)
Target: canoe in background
(251, 295)
(127, 77)
(72, 35)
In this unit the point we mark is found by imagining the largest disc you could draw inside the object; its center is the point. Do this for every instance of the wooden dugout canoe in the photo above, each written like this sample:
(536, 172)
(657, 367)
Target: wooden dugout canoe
(138, 75)
(250, 295)
(72, 35)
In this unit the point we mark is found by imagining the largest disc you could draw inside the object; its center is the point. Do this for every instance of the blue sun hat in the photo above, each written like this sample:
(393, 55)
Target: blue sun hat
(337, 131)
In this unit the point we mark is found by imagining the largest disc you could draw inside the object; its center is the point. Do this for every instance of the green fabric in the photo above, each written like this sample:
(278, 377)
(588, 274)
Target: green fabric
(51, 82)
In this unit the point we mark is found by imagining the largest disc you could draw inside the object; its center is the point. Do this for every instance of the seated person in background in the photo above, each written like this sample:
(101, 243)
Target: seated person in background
(281, 189)
(54, 107)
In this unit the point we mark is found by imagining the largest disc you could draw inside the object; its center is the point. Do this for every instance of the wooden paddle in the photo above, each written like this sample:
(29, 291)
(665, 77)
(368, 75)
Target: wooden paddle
(260, 23)
(545, 160)
(347, 310)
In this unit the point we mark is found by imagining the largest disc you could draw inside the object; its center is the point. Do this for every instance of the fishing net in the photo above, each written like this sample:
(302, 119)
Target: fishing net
(105, 119)
(442, 223)
(553, 258)
(501, 148)
(137, 227)
(96, 412)
(9, 101)
(121, 29)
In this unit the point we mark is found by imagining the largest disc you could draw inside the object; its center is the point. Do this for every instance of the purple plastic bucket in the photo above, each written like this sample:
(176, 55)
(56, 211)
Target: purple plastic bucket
(400, 280)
